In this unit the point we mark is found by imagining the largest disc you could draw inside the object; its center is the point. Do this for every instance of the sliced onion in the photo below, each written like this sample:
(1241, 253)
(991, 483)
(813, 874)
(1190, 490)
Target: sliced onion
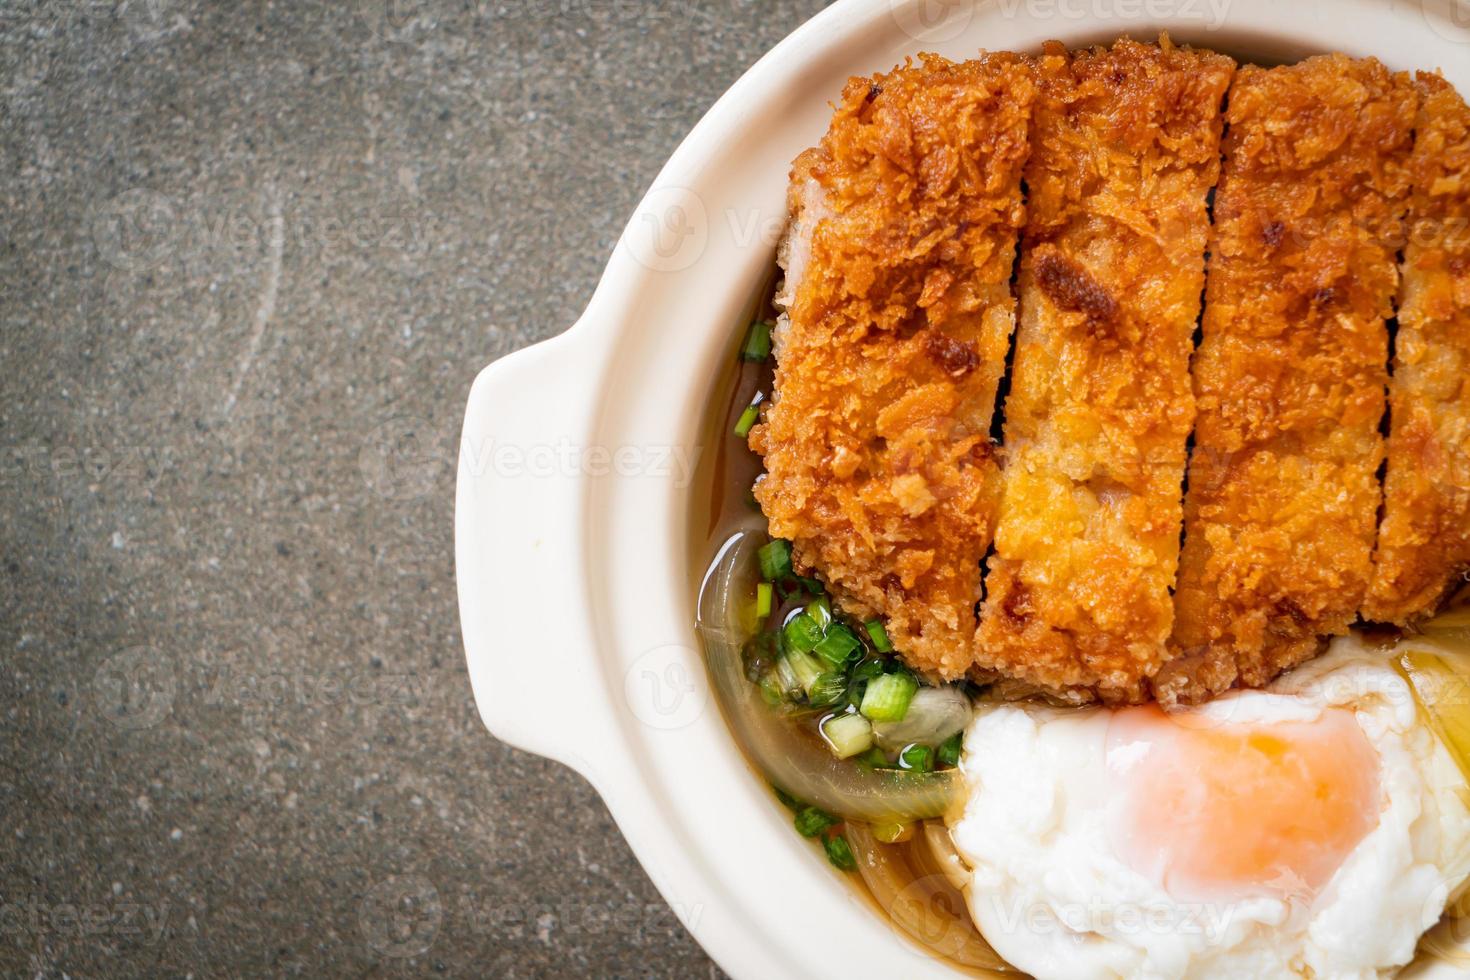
(1451, 627)
(934, 714)
(797, 763)
(1453, 622)
(1437, 667)
(1450, 619)
(925, 906)
(1438, 672)
(939, 846)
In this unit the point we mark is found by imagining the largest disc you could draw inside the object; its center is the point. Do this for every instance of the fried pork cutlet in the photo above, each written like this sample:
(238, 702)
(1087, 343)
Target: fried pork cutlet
(1125, 149)
(1289, 380)
(1424, 539)
(898, 314)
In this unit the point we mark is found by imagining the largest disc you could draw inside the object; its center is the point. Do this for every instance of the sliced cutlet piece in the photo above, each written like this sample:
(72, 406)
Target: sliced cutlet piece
(1125, 149)
(898, 314)
(1424, 539)
(1281, 510)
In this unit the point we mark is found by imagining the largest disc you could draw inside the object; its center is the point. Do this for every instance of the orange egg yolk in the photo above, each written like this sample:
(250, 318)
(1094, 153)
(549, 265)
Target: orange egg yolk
(1212, 811)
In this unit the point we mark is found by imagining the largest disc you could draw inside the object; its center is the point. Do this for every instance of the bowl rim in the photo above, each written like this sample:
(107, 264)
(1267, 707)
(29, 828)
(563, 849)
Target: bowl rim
(586, 561)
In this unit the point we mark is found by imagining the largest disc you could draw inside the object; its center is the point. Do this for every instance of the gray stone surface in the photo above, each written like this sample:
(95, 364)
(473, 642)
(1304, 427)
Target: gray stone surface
(251, 256)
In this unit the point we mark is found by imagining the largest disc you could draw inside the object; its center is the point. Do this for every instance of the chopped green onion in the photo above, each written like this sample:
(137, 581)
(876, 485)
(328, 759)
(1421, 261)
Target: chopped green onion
(805, 668)
(763, 593)
(775, 559)
(811, 585)
(887, 697)
(949, 752)
(759, 652)
(749, 417)
(839, 852)
(919, 758)
(811, 821)
(787, 800)
(881, 642)
(838, 646)
(896, 832)
(773, 687)
(858, 679)
(790, 686)
(828, 690)
(821, 610)
(876, 758)
(847, 735)
(757, 342)
(802, 633)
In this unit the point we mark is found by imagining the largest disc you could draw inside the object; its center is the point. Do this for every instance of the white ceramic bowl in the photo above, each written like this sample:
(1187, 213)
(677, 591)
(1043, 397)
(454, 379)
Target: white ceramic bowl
(572, 543)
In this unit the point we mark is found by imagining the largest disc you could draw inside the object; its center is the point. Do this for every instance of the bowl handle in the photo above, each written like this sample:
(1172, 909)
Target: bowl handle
(519, 566)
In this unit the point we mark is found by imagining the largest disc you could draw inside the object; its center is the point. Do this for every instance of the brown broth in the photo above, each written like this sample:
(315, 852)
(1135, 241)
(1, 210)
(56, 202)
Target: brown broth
(722, 502)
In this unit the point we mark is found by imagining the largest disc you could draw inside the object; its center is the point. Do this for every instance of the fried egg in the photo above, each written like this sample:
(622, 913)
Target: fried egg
(1315, 829)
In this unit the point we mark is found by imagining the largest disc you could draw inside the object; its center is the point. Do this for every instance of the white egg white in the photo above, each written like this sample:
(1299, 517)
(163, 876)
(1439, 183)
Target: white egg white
(1053, 898)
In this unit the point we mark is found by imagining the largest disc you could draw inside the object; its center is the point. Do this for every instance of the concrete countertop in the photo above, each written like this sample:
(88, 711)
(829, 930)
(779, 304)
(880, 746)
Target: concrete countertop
(251, 257)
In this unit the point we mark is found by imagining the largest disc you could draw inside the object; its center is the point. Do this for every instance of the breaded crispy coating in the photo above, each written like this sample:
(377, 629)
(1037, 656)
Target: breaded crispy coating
(1125, 149)
(880, 467)
(1424, 538)
(1283, 494)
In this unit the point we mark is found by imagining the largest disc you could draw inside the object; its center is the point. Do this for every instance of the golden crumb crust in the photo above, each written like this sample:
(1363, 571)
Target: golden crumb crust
(1424, 539)
(1125, 149)
(879, 463)
(1283, 494)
